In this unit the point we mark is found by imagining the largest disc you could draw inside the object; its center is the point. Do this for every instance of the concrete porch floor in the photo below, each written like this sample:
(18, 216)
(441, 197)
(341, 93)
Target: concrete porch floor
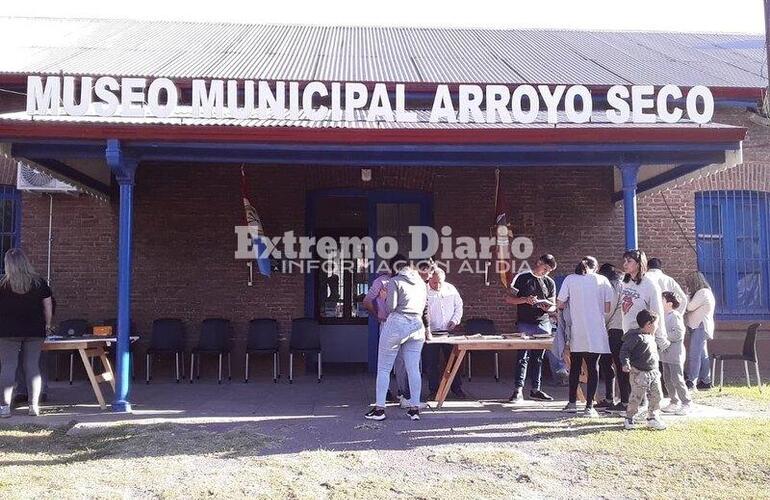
(307, 415)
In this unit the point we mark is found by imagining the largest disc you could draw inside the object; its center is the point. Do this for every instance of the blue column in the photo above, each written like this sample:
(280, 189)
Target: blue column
(630, 173)
(124, 169)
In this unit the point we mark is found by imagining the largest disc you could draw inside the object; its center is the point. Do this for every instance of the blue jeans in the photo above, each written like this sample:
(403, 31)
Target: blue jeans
(557, 364)
(401, 334)
(535, 355)
(698, 367)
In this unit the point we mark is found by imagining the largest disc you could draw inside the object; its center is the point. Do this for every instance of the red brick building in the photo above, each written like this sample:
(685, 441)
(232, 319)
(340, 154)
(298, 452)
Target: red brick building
(185, 208)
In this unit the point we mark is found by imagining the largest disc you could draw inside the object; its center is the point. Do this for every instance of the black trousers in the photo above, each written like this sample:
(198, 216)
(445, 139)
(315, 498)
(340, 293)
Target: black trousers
(592, 366)
(607, 372)
(624, 383)
(433, 367)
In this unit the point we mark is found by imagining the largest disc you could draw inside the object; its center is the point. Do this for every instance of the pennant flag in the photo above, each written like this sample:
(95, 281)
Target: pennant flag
(502, 233)
(258, 237)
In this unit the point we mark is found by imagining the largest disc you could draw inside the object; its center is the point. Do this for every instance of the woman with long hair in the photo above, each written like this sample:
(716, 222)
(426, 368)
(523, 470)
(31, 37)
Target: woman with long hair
(639, 292)
(610, 364)
(700, 319)
(589, 296)
(25, 317)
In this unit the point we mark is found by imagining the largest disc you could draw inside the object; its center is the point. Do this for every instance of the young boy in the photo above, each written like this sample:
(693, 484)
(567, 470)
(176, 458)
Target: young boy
(639, 358)
(673, 358)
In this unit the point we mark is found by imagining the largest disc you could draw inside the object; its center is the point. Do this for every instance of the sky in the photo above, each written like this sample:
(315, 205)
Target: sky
(734, 16)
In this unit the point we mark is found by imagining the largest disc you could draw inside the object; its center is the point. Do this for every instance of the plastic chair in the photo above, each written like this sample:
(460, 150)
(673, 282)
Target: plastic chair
(483, 326)
(749, 355)
(305, 339)
(214, 339)
(113, 323)
(263, 338)
(76, 327)
(167, 337)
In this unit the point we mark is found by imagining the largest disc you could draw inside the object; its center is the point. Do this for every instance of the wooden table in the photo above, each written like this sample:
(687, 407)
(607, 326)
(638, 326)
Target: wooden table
(462, 344)
(89, 347)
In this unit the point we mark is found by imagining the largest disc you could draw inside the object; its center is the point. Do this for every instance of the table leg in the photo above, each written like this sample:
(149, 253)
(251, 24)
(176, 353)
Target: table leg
(452, 366)
(92, 378)
(109, 373)
(445, 376)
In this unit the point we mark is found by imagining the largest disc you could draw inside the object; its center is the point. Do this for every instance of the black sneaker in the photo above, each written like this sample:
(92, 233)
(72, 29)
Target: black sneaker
(704, 387)
(539, 396)
(689, 384)
(517, 396)
(604, 405)
(617, 409)
(413, 414)
(375, 414)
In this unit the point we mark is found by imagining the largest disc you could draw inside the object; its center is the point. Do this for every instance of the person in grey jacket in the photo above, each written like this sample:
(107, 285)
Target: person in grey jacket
(405, 331)
(673, 358)
(639, 358)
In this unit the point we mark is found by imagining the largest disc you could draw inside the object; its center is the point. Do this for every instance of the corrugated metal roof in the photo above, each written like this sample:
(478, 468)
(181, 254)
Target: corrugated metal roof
(410, 55)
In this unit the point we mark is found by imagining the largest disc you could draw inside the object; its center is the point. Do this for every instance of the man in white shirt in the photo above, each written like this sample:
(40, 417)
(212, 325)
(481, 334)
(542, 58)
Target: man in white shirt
(666, 283)
(445, 311)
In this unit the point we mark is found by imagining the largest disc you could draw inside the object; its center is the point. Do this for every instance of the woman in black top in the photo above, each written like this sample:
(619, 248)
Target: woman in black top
(25, 317)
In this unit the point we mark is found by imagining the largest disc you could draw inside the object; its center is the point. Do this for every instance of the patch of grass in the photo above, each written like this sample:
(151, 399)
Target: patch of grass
(715, 458)
(739, 391)
(737, 397)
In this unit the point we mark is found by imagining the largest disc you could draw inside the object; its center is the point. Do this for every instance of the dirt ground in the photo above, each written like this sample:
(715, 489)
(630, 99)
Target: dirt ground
(244, 441)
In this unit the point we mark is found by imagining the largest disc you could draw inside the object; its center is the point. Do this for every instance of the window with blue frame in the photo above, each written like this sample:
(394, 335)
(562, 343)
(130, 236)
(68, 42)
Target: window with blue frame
(10, 220)
(732, 229)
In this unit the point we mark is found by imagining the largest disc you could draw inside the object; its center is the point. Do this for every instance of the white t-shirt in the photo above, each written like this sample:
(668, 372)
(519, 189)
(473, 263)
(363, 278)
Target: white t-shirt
(645, 295)
(587, 295)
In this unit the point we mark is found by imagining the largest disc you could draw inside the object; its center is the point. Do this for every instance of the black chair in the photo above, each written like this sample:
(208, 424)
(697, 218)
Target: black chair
(305, 339)
(485, 327)
(167, 338)
(113, 323)
(749, 355)
(215, 339)
(76, 327)
(263, 339)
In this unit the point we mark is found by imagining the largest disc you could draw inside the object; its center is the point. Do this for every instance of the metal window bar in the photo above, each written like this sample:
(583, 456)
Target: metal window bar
(9, 220)
(733, 242)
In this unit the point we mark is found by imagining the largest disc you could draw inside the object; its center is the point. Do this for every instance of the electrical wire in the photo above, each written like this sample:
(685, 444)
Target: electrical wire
(8, 91)
(679, 225)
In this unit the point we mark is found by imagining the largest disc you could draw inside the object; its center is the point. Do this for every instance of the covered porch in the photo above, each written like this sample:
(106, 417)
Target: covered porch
(105, 157)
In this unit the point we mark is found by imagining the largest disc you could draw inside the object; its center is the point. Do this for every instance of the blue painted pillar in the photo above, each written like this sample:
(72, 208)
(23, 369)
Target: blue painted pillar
(124, 169)
(630, 173)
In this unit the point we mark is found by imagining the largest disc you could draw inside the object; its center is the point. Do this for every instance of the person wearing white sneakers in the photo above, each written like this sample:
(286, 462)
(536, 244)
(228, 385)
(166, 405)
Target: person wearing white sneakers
(639, 357)
(673, 358)
(404, 332)
(26, 311)
(590, 296)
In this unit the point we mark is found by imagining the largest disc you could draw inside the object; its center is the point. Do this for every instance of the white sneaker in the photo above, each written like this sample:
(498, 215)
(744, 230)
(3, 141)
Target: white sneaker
(629, 424)
(5, 411)
(671, 408)
(685, 409)
(570, 408)
(655, 423)
(591, 413)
